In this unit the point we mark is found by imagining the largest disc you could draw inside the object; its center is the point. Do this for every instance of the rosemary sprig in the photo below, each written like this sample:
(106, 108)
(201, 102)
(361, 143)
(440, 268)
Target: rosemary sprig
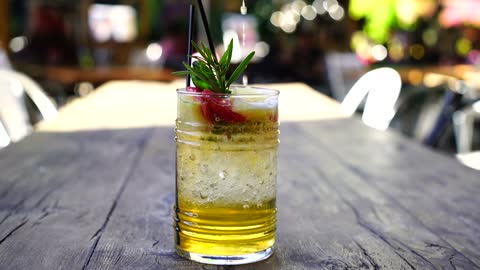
(210, 73)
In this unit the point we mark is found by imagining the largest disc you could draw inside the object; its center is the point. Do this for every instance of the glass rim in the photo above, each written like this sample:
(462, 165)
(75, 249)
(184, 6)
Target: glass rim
(265, 92)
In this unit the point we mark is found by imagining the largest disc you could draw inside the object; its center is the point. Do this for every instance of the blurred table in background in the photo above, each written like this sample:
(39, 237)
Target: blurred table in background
(130, 104)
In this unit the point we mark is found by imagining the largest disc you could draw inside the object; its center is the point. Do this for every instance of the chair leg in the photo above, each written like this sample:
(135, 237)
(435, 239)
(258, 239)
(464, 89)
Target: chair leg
(451, 101)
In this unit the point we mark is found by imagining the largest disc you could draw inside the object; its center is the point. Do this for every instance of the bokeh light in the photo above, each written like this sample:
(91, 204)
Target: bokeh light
(417, 51)
(379, 52)
(318, 5)
(18, 43)
(309, 12)
(337, 13)
(430, 37)
(154, 52)
(463, 46)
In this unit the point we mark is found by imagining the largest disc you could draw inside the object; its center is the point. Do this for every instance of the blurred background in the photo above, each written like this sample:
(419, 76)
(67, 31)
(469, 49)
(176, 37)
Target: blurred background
(71, 47)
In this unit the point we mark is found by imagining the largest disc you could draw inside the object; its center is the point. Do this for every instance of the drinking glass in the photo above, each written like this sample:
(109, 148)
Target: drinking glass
(226, 171)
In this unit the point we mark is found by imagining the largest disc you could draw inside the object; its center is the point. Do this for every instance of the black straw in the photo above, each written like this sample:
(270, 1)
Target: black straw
(190, 37)
(205, 25)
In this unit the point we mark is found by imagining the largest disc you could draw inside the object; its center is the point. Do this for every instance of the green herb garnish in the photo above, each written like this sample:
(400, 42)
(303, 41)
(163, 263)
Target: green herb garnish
(209, 73)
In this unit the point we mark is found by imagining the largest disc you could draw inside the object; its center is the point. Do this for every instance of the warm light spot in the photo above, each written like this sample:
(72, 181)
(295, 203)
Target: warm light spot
(297, 6)
(358, 38)
(415, 77)
(463, 46)
(433, 80)
(154, 52)
(328, 5)
(289, 28)
(261, 49)
(406, 11)
(396, 54)
(293, 17)
(396, 50)
(379, 52)
(84, 88)
(289, 20)
(18, 43)
(417, 51)
(318, 5)
(337, 12)
(430, 37)
(276, 18)
(309, 12)
(364, 51)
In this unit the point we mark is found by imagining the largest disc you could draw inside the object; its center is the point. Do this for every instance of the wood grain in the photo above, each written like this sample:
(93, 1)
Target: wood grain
(54, 205)
(349, 197)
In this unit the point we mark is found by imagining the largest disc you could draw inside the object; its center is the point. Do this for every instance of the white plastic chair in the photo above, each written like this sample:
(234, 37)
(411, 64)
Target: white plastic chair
(35, 92)
(4, 137)
(382, 88)
(4, 61)
(13, 111)
(464, 125)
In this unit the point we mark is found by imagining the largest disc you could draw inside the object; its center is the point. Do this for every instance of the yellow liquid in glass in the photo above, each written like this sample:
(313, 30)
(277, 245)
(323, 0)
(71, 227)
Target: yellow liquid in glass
(226, 230)
(226, 185)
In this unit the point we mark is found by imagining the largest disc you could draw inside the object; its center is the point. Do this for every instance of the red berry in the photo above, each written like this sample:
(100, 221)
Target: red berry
(218, 109)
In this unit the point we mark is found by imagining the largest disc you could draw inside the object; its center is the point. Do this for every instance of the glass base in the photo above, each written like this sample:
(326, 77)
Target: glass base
(226, 260)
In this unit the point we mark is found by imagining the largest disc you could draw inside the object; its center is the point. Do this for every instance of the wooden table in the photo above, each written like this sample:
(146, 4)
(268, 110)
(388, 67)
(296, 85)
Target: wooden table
(349, 197)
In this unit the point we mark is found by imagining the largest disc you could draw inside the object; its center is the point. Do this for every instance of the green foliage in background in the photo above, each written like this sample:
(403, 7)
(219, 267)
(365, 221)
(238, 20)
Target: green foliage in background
(379, 15)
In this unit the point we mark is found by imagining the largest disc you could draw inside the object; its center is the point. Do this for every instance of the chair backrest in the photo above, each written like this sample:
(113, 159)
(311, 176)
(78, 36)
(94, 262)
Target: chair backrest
(13, 112)
(464, 127)
(33, 90)
(14, 86)
(382, 88)
(4, 137)
(4, 61)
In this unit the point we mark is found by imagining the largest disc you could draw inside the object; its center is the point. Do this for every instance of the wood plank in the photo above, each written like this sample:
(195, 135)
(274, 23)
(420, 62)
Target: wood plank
(53, 208)
(435, 194)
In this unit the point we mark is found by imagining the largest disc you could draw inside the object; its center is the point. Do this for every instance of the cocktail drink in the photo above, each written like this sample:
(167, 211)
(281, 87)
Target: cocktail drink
(226, 174)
